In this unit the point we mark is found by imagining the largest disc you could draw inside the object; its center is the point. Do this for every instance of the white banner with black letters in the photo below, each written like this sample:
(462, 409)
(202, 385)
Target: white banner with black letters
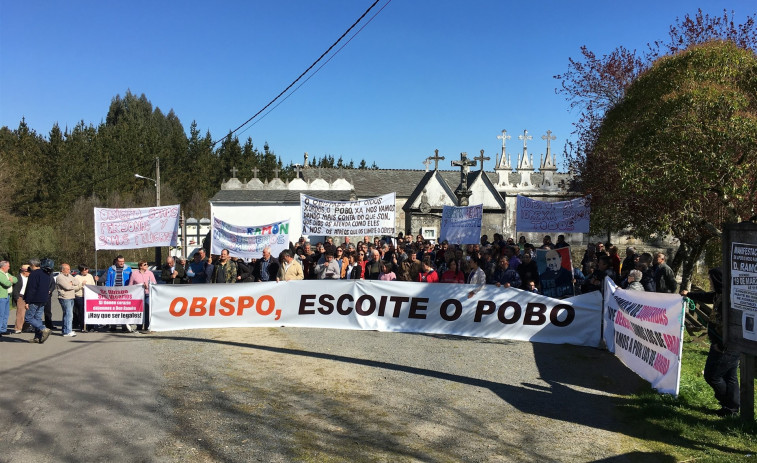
(373, 216)
(503, 313)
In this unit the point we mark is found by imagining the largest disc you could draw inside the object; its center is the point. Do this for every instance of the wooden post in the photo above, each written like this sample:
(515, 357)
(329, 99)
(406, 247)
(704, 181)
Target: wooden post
(747, 387)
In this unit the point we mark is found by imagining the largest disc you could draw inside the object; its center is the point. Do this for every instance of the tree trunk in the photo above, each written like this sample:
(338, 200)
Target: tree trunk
(680, 257)
(695, 252)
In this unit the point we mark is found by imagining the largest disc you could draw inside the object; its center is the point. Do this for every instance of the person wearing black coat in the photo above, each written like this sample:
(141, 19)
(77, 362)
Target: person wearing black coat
(266, 268)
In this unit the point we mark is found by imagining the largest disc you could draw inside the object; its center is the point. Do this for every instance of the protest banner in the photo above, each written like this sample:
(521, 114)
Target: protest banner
(114, 305)
(374, 216)
(562, 216)
(144, 227)
(462, 225)
(249, 242)
(744, 276)
(555, 272)
(378, 305)
(645, 331)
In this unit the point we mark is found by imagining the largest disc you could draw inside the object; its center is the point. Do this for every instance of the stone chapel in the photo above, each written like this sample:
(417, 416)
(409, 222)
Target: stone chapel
(420, 193)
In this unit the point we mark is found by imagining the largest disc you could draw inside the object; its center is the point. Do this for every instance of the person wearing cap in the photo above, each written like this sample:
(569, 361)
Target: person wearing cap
(7, 280)
(19, 288)
(722, 365)
(37, 294)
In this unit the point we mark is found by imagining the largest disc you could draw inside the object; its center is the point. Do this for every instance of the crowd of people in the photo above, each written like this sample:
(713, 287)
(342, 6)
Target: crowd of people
(500, 262)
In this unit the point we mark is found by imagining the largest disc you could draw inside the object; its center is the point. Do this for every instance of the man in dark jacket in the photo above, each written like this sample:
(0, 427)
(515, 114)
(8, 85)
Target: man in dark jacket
(172, 272)
(722, 365)
(664, 278)
(267, 267)
(36, 296)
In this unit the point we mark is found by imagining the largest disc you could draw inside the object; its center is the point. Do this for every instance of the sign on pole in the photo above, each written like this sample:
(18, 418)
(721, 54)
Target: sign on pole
(144, 227)
(545, 217)
(462, 225)
(374, 216)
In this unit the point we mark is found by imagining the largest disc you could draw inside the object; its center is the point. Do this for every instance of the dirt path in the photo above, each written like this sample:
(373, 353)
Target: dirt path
(290, 394)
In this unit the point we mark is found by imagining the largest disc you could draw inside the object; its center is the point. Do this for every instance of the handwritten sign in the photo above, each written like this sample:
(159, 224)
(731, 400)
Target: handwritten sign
(144, 227)
(562, 216)
(374, 216)
(462, 225)
(249, 242)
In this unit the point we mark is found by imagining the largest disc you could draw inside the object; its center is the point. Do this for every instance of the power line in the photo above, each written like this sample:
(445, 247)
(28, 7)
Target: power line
(318, 69)
(304, 72)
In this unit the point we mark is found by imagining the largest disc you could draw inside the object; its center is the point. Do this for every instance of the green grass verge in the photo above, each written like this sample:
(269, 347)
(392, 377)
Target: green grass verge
(685, 428)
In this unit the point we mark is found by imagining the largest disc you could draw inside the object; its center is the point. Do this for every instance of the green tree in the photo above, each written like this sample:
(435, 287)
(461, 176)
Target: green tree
(681, 148)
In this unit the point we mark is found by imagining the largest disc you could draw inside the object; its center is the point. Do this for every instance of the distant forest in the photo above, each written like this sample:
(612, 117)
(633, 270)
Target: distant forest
(51, 184)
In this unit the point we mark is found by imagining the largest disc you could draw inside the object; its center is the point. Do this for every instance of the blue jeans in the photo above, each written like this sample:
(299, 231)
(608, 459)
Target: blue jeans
(68, 313)
(34, 317)
(5, 311)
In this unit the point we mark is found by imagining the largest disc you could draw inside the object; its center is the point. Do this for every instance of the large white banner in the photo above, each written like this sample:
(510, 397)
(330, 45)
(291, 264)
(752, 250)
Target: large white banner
(461, 225)
(562, 216)
(645, 331)
(144, 227)
(249, 242)
(503, 313)
(114, 305)
(374, 216)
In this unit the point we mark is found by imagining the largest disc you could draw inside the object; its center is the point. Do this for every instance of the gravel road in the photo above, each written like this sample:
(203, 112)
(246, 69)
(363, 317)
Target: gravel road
(288, 394)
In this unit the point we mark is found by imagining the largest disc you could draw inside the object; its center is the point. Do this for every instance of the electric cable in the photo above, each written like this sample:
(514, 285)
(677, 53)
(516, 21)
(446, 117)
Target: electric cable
(301, 75)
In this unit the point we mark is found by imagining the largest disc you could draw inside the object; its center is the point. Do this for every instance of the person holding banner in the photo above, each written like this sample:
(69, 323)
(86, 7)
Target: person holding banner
(477, 276)
(119, 274)
(453, 274)
(722, 365)
(144, 277)
(428, 274)
(83, 278)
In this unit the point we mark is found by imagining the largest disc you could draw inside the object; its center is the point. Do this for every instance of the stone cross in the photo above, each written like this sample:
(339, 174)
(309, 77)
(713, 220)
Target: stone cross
(464, 163)
(548, 137)
(436, 158)
(298, 170)
(234, 172)
(427, 163)
(462, 191)
(525, 137)
(482, 159)
(255, 171)
(504, 137)
(276, 172)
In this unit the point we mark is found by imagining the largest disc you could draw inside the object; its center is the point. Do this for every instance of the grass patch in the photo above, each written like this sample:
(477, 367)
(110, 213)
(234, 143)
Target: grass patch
(686, 427)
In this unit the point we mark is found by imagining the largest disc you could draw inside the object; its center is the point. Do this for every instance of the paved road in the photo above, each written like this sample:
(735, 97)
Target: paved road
(285, 394)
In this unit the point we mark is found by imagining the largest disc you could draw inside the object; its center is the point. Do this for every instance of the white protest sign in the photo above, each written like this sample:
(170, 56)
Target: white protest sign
(144, 227)
(645, 330)
(462, 225)
(744, 277)
(114, 305)
(562, 216)
(374, 216)
(249, 242)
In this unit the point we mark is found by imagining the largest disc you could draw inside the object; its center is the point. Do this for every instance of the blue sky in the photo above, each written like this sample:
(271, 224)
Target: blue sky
(422, 75)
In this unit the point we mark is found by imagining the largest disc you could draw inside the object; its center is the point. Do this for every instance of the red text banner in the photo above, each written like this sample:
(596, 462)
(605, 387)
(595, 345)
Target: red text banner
(502, 313)
(113, 305)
